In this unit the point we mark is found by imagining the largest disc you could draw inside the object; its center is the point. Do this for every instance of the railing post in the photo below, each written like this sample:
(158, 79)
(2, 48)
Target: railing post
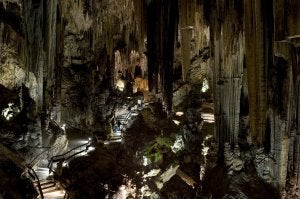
(38, 181)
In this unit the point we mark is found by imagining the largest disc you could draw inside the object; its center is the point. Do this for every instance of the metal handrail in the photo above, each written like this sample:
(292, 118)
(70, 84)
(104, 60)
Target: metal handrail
(67, 155)
(36, 179)
(34, 159)
(127, 117)
(66, 196)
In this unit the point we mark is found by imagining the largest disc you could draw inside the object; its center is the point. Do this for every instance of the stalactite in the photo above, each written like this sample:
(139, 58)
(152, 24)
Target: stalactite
(51, 102)
(160, 46)
(201, 30)
(283, 102)
(33, 47)
(186, 36)
(60, 33)
(13, 19)
(258, 45)
(293, 112)
(227, 48)
(169, 28)
(153, 33)
(297, 160)
(187, 23)
(140, 16)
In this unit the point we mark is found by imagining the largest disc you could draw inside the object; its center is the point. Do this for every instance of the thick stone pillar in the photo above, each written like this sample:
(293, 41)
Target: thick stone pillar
(227, 49)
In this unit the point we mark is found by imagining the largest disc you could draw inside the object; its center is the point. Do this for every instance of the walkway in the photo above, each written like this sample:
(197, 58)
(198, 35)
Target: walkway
(51, 190)
(79, 145)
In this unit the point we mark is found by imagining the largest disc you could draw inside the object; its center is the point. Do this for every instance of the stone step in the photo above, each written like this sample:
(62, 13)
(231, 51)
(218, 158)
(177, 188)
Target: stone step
(47, 185)
(113, 141)
(49, 189)
(54, 194)
(122, 119)
(44, 183)
(114, 137)
(42, 172)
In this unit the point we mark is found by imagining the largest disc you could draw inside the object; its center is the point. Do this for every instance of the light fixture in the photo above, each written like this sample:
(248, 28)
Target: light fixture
(63, 127)
(145, 161)
(179, 113)
(91, 148)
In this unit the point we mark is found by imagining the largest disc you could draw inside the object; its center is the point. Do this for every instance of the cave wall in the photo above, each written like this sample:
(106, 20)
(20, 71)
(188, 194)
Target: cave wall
(96, 35)
(23, 64)
(273, 27)
(42, 51)
(283, 96)
(255, 50)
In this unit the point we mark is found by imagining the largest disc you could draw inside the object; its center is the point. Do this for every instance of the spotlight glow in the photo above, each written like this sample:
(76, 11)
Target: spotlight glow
(205, 86)
(63, 127)
(10, 111)
(176, 122)
(91, 148)
(179, 113)
(120, 85)
(145, 161)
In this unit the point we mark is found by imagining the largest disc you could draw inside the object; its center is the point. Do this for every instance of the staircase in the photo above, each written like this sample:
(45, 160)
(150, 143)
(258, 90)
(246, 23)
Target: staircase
(44, 182)
(50, 190)
(66, 157)
(124, 120)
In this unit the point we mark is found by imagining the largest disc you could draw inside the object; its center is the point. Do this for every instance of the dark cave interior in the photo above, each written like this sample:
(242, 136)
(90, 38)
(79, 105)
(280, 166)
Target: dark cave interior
(189, 99)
